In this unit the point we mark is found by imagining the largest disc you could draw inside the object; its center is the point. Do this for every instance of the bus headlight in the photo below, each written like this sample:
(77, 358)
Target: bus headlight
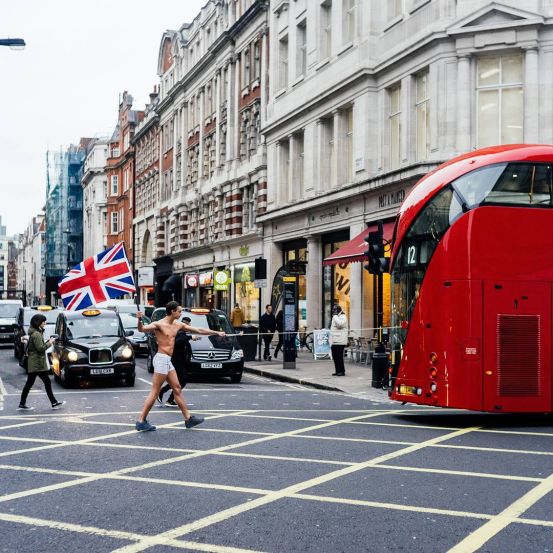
(237, 354)
(126, 352)
(72, 356)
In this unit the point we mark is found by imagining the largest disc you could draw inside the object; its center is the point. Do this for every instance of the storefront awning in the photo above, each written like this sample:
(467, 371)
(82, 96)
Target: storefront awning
(354, 250)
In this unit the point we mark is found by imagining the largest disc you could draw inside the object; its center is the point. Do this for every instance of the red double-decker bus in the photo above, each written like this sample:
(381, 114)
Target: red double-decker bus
(472, 279)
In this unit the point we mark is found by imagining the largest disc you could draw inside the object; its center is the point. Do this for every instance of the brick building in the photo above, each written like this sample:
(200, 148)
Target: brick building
(120, 177)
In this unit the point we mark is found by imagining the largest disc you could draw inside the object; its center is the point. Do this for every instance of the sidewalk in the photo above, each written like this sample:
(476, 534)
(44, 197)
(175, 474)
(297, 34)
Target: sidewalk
(318, 374)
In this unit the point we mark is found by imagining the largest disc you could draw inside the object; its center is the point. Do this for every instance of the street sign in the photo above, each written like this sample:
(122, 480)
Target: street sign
(296, 267)
(289, 279)
(290, 330)
(321, 343)
(260, 283)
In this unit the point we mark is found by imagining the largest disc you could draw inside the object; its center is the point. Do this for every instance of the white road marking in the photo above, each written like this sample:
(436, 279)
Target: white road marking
(144, 380)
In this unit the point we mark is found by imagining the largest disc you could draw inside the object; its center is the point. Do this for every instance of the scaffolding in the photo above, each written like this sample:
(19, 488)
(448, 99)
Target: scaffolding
(64, 212)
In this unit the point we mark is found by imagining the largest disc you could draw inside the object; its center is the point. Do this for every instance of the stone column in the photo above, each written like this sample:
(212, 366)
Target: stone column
(184, 143)
(531, 96)
(463, 103)
(279, 189)
(217, 93)
(336, 138)
(314, 276)
(356, 285)
(200, 99)
(263, 77)
(320, 161)
(292, 143)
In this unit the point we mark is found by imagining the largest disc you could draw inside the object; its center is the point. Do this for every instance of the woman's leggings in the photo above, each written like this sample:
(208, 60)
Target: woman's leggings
(31, 377)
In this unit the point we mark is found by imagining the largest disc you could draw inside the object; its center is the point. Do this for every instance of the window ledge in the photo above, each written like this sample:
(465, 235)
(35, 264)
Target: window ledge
(345, 48)
(394, 22)
(322, 63)
(255, 84)
(419, 4)
(281, 92)
(245, 91)
(300, 79)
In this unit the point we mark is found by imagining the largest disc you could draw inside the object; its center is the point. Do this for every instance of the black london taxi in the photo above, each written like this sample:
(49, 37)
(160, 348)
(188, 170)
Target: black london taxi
(91, 345)
(23, 322)
(210, 355)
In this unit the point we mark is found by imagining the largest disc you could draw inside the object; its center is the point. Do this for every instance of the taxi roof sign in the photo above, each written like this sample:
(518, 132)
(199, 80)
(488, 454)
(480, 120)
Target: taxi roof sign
(44, 308)
(91, 312)
(200, 310)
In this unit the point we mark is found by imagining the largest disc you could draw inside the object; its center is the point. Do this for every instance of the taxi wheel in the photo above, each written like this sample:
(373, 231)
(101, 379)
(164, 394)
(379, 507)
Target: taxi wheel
(129, 381)
(235, 378)
(16, 352)
(66, 380)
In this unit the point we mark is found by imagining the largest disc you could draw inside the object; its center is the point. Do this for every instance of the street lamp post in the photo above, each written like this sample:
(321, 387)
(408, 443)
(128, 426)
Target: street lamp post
(13, 43)
(67, 232)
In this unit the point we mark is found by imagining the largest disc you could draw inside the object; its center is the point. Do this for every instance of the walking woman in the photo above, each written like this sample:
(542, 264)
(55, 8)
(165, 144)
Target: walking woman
(36, 364)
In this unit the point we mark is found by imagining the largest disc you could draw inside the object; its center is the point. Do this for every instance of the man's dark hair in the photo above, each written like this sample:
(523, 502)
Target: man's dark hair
(171, 307)
(187, 319)
(236, 305)
(37, 320)
(268, 305)
(337, 308)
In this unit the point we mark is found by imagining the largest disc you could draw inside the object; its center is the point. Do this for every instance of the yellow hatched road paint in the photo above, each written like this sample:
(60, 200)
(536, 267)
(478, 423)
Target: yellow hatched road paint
(31, 423)
(485, 533)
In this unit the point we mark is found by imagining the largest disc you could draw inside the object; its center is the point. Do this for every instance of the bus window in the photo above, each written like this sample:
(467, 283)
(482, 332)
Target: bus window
(523, 184)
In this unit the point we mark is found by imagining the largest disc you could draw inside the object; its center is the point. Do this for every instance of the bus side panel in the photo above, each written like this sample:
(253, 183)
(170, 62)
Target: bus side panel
(462, 355)
(517, 349)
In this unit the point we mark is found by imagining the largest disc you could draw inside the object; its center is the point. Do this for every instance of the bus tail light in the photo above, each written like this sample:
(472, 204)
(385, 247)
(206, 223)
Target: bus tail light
(433, 372)
(433, 358)
(405, 325)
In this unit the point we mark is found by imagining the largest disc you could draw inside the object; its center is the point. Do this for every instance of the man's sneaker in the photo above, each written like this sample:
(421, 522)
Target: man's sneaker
(58, 404)
(144, 426)
(159, 398)
(25, 408)
(171, 403)
(193, 421)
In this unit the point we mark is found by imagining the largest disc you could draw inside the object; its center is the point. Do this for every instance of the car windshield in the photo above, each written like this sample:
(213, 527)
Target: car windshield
(130, 321)
(8, 310)
(213, 321)
(93, 327)
(51, 316)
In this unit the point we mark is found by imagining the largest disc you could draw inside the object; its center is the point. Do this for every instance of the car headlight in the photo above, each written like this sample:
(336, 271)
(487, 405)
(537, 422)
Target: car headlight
(126, 352)
(237, 354)
(72, 356)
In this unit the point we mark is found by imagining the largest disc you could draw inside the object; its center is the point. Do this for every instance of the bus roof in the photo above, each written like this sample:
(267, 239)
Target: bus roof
(453, 169)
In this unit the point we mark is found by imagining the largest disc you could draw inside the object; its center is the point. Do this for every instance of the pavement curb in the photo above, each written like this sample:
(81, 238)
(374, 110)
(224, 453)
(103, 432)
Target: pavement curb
(292, 379)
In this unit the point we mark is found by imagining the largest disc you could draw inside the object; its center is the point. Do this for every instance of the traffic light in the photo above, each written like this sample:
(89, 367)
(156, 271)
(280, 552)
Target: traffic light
(378, 263)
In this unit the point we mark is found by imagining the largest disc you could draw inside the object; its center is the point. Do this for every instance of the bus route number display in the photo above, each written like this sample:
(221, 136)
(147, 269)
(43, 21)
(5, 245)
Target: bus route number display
(411, 255)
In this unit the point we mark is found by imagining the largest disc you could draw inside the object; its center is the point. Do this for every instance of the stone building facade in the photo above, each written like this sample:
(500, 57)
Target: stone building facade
(212, 174)
(367, 96)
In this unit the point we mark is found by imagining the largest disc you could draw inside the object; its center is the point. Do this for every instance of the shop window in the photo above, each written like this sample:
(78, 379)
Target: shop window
(245, 294)
(336, 284)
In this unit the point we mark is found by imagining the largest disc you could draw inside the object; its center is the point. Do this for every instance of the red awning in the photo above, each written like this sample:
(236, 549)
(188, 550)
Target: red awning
(354, 250)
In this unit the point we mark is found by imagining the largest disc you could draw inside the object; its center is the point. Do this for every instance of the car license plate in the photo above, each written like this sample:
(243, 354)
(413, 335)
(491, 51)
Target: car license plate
(101, 371)
(143, 345)
(407, 390)
(212, 365)
(5, 335)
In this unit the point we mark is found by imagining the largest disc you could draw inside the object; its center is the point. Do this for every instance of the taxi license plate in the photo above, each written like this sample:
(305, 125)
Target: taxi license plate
(143, 345)
(212, 365)
(101, 371)
(407, 390)
(5, 335)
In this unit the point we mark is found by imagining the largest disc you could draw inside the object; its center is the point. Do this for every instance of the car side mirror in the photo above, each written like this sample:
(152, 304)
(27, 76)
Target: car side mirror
(129, 332)
(55, 336)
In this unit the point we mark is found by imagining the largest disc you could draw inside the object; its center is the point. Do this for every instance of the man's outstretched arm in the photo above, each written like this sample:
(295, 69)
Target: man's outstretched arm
(204, 331)
(142, 327)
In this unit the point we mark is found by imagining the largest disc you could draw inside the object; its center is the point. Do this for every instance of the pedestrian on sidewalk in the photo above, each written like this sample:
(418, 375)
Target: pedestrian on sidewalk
(36, 363)
(166, 330)
(280, 328)
(338, 339)
(237, 317)
(267, 327)
(180, 360)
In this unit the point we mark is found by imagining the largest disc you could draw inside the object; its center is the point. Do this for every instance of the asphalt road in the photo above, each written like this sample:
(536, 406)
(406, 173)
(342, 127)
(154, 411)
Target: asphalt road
(276, 467)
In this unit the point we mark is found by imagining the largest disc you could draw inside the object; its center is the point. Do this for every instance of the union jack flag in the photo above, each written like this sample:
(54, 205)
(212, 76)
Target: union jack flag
(101, 277)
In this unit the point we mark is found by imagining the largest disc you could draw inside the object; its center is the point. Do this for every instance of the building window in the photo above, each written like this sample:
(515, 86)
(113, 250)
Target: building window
(115, 185)
(398, 8)
(126, 141)
(114, 226)
(302, 49)
(246, 67)
(126, 182)
(257, 61)
(121, 219)
(283, 63)
(300, 161)
(395, 127)
(349, 144)
(116, 151)
(326, 23)
(423, 117)
(105, 188)
(500, 97)
(349, 10)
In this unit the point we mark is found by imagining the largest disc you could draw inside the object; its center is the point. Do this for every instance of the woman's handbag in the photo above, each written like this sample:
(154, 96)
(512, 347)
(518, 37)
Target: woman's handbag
(24, 360)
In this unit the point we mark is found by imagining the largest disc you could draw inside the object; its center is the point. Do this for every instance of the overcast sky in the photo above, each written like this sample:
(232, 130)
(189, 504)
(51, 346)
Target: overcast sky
(66, 83)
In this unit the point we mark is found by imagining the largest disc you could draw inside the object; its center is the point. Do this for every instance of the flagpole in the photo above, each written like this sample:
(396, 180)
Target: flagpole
(136, 293)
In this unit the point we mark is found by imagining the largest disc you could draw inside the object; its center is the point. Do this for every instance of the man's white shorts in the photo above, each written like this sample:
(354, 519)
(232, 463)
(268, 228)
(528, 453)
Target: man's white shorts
(162, 364)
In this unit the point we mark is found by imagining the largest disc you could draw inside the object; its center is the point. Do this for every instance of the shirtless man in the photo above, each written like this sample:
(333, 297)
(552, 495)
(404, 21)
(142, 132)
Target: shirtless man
(166, 330)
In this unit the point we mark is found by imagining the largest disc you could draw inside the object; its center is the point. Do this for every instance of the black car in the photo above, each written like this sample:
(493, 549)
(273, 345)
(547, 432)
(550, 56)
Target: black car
(92, 345)
(139, 340)
(210, 355)
(23, 321)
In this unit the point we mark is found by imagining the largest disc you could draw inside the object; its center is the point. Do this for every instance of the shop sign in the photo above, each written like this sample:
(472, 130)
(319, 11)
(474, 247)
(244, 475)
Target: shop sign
(260, 283)
(145, 277)
(191, 281)
(321, 343)
(244, 251)
(392, 198)
(222, 280)
(206, 279)
(244, 272)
